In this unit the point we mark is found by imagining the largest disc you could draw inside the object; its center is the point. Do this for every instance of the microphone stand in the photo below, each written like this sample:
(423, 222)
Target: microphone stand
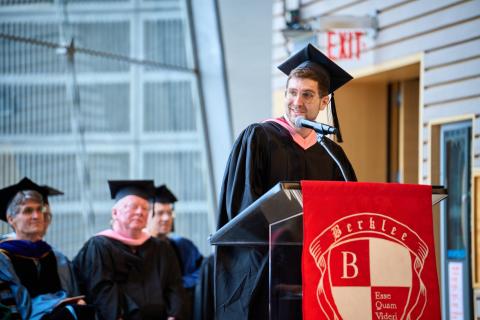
(321, 141)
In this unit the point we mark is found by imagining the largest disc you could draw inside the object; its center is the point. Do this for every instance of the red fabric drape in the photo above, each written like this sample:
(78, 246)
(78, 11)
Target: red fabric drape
(368, 252)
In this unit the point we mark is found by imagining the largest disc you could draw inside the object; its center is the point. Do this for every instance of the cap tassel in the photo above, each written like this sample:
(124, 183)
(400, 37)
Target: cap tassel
(336, 124)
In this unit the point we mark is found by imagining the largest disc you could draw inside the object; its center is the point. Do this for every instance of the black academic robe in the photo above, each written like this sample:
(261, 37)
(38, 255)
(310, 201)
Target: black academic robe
(39, 276)
(39, 280)
(140, 284)
(263, 155)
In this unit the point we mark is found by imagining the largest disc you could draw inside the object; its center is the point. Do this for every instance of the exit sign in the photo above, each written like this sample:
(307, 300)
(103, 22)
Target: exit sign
(350, 48)
(345, 44)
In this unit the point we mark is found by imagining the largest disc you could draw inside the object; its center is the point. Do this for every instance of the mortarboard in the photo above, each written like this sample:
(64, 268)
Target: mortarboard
(140, 188)
(51, 192)
(313, 58)
(7, 194)
(164, 195)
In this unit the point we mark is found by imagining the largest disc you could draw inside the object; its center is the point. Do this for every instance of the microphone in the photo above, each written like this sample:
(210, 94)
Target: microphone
(320, 128)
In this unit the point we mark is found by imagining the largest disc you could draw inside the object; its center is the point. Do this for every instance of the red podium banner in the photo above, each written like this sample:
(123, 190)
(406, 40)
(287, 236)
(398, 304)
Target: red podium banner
(368, 252)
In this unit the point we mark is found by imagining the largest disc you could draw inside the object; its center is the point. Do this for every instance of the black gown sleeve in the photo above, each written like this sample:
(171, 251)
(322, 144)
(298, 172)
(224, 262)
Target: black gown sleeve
(94, 265)
(174, 291)
(244, 174)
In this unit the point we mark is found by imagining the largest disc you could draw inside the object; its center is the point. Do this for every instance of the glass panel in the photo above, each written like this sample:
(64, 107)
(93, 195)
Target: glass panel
(52, 169)
(23, 2)
(95, 1)
(66, 229)
(58, 169)
(33, 109)
(105, 107)
(166, 104)
(43, 108)
(107, 166)
(457, 153)
(165, 42)
(112, 37)
(19, 57)
(180, 170)
(124, 106)
(193, 223)
(252, 225)
(285, 268)
(456, 213)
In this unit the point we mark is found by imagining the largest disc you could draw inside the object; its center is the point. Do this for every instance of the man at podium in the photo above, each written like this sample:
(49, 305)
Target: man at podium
(269, 152)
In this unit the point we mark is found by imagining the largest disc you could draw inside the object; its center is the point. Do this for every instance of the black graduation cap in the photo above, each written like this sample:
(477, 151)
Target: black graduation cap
(312, 57)
(164, 195)
(50, 192)
(7, 194)
(123, 188)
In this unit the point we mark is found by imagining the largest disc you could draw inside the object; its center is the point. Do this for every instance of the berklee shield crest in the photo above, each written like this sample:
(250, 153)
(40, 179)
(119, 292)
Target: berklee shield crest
(368, 265)
(377, 277)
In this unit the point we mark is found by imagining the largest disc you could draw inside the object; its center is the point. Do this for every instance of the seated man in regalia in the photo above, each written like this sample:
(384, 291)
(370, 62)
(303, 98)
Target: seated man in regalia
(39, 278)
(127, 274)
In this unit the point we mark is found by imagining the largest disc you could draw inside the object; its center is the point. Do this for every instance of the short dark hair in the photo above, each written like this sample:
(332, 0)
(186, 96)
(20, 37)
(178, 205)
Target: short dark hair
(313, 72)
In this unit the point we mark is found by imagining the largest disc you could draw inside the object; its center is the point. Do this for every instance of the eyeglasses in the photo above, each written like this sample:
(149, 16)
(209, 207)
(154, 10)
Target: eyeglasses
(164, 212)
(31, 210)
(307, 96)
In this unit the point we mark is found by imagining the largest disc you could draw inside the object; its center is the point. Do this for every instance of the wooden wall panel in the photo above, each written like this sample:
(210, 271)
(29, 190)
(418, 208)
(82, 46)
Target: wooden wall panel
(411, 9)
(319, 8)
(428, 41)
(452, 91)
(465, 106)
(429, 23)
(450, 54)
(452, 71)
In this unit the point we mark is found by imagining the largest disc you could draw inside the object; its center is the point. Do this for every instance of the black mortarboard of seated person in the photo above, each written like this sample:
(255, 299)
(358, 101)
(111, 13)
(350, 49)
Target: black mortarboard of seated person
(164, 195)
(8, 193)
(122, 188)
